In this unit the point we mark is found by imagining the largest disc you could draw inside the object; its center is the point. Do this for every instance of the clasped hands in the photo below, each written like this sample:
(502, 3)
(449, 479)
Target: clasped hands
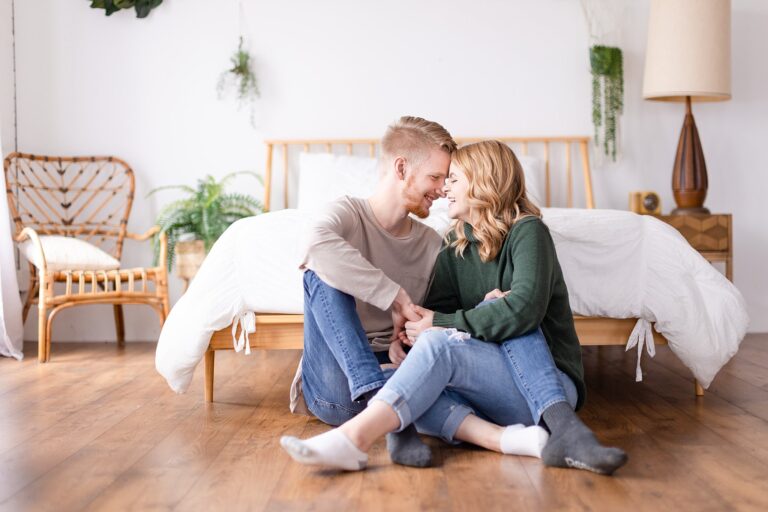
(410, 320)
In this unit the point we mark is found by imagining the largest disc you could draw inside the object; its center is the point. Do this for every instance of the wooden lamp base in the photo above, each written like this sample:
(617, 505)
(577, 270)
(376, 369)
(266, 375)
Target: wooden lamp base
(689, 175)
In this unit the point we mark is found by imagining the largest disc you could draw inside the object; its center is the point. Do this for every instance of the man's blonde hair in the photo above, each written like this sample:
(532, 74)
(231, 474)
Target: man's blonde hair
(496, 195)
(413, 137)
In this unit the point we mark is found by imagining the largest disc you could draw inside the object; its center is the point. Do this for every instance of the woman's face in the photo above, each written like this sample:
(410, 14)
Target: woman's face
(456, 188)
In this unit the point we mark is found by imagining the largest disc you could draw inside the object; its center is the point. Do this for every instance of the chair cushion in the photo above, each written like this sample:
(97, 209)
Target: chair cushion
(67, 253)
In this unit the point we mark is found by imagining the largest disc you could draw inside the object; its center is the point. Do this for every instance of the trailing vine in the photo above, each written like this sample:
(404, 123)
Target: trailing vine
(142, 7)
(240, 77)
(607, 94)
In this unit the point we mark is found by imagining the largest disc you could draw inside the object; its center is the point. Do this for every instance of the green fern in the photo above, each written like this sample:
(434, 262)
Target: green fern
(206, 213)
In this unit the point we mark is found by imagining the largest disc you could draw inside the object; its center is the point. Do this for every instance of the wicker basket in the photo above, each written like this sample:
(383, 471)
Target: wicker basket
(189, 257)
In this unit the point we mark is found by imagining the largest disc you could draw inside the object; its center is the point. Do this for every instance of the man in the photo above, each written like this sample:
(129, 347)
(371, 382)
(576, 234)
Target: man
(367, 261)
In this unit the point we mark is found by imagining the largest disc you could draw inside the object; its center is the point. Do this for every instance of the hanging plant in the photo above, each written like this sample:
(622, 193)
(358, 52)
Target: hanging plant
(142, 7)
(607, 94)
(240, 79)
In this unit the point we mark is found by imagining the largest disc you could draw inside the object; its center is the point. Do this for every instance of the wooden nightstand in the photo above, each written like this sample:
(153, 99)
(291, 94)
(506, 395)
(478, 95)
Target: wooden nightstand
(711, 235)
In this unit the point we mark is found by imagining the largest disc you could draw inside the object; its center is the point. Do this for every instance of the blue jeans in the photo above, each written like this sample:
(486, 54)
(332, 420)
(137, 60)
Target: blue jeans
(339, 365)
(444, 378)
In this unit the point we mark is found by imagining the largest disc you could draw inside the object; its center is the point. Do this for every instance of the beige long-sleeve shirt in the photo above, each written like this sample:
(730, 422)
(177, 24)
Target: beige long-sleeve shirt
(348, 249)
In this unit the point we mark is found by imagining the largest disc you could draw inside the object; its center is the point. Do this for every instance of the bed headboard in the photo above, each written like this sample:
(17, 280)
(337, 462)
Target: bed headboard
(556, 152)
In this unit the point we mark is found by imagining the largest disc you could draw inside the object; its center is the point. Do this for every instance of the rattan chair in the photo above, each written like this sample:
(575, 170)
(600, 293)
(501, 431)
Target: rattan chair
(88, 198)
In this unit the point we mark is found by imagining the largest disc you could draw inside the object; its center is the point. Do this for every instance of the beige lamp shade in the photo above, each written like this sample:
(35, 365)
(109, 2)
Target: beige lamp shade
(689, 51)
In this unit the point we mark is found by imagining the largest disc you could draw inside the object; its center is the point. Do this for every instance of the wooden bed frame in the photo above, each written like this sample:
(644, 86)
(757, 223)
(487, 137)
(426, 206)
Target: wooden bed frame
(281, 331)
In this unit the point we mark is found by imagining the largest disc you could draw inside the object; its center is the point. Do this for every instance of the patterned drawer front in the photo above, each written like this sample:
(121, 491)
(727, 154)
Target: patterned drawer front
(703, 232)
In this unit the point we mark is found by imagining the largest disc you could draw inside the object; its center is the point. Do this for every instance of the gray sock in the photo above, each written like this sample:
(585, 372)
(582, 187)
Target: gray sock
(572, 444)
(407, 449)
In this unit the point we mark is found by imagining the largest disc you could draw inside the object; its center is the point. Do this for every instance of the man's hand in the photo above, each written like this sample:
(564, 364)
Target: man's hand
(396, 352)
(402, 311)
(496, 294)
(414, 328)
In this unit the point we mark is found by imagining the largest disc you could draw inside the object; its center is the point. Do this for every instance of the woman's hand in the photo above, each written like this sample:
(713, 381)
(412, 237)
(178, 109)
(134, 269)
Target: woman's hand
(495, 294)
(402, 311)
(396, 352)
(413, 329)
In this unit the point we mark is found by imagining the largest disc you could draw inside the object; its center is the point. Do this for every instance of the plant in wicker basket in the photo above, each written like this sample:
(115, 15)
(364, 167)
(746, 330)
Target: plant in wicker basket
(142, 7)
(203, 215)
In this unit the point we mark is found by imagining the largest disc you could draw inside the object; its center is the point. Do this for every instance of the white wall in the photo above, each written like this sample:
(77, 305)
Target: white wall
(6, 76)
(146, 90)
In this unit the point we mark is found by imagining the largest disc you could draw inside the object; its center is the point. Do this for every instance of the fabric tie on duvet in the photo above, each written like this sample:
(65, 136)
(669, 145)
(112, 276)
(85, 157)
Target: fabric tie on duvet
(247, 323)
(641, 335)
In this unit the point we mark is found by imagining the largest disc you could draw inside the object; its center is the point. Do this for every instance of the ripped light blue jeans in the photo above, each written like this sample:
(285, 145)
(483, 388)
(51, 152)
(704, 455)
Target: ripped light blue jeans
(448, 375)
(441, 381)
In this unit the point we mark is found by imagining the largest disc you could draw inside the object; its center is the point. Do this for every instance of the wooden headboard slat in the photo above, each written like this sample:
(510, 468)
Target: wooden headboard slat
(328, 146)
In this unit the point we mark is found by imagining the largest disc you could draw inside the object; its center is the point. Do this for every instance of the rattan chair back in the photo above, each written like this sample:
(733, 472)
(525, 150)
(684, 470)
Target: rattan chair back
(84, 197)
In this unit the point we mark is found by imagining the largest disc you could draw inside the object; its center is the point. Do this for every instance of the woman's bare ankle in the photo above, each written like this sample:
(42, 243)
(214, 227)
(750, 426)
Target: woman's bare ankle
(356, 436)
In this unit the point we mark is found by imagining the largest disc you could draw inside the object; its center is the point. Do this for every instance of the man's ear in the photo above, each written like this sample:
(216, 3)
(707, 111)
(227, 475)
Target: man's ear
(400, 168)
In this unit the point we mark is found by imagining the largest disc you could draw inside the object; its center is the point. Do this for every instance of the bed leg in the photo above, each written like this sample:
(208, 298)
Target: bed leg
(698, 388)
(209, 360)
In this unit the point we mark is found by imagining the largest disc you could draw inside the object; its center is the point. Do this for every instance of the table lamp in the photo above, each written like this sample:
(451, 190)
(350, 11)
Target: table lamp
(688, 58)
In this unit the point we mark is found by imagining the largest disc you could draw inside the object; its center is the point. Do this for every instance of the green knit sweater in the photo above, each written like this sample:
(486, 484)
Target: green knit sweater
(527, 265)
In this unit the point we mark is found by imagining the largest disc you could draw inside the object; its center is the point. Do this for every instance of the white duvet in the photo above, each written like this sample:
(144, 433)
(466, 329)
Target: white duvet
(616, 264)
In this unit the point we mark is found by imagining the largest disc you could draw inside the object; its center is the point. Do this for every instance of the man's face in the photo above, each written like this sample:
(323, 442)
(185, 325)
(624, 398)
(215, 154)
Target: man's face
(424, 182)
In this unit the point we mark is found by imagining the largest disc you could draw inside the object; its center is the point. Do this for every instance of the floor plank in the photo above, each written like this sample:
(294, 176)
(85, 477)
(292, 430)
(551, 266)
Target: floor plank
(98, 429)
(250, 466)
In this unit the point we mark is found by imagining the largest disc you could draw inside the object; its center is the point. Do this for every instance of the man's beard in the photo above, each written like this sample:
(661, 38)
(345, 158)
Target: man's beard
(413, 201)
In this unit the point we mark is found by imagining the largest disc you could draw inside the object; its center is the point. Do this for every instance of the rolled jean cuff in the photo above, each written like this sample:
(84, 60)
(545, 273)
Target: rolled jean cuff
(458, 413)
(398, 404)
(361, 390)
(546, 406)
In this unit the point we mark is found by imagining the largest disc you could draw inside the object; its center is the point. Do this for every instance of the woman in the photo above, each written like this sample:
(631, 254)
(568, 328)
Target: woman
(513, 360)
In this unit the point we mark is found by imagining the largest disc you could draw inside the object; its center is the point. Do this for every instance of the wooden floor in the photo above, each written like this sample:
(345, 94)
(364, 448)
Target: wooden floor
(98, 429)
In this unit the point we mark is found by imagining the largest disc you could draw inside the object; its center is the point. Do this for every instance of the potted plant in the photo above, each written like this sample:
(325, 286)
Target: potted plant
(607, 94)
(240, 79)
(604, 23)
(192, 224)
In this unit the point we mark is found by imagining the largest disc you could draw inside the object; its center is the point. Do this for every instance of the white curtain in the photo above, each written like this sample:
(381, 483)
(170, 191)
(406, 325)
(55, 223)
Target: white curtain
(11, 327)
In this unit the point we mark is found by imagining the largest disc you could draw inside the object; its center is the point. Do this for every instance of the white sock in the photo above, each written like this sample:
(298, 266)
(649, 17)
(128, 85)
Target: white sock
(521, 440)
(332, 448)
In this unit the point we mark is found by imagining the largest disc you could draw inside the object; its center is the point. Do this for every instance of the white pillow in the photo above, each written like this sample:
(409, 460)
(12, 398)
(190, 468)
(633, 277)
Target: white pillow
(438, 216)
(533, 169)
(67, 253)
(324, 177)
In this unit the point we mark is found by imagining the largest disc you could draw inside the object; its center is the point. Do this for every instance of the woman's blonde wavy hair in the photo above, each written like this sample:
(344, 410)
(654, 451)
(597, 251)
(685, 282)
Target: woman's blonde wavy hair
(496, 195)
